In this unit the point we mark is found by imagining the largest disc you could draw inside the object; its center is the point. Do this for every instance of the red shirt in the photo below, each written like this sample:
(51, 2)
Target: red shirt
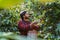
(24, 27)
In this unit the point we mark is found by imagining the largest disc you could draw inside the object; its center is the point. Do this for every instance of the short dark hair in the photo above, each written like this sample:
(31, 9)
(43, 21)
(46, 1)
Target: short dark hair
(22, 14)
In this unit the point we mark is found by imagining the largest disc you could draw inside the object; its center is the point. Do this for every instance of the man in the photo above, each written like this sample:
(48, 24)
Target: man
(25, 25)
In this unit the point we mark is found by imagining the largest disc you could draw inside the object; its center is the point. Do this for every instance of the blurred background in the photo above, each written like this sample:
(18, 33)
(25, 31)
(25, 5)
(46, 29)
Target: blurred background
(46, 12)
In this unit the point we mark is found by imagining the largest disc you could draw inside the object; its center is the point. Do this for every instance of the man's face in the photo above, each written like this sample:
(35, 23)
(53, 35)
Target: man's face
(26, 16)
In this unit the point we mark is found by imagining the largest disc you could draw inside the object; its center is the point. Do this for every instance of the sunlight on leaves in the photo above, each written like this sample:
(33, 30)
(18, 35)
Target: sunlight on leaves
(9, 3)
(45, 1)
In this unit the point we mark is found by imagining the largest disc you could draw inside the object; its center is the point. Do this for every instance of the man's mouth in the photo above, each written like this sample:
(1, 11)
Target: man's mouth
(27, 18)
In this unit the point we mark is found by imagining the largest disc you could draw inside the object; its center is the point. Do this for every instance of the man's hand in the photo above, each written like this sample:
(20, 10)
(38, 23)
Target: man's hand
(34, 24)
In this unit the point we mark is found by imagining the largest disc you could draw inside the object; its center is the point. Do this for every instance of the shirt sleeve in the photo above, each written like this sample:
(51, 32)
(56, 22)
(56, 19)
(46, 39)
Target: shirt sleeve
(20, 26)
(37, 28)
(23, 27)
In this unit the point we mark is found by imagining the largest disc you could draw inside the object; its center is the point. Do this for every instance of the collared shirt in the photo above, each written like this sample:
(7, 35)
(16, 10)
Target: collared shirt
(24, 27)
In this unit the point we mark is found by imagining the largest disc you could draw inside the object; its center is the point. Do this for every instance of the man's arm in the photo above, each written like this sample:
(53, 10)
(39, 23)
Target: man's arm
(35, 26)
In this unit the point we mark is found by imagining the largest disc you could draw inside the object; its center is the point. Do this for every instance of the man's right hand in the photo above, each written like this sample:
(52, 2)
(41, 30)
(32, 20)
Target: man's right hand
(34, 24)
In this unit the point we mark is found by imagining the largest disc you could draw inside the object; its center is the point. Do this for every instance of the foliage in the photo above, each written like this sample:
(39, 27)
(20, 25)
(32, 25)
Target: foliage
(46, 14)
(8, 20)
(9, 3)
